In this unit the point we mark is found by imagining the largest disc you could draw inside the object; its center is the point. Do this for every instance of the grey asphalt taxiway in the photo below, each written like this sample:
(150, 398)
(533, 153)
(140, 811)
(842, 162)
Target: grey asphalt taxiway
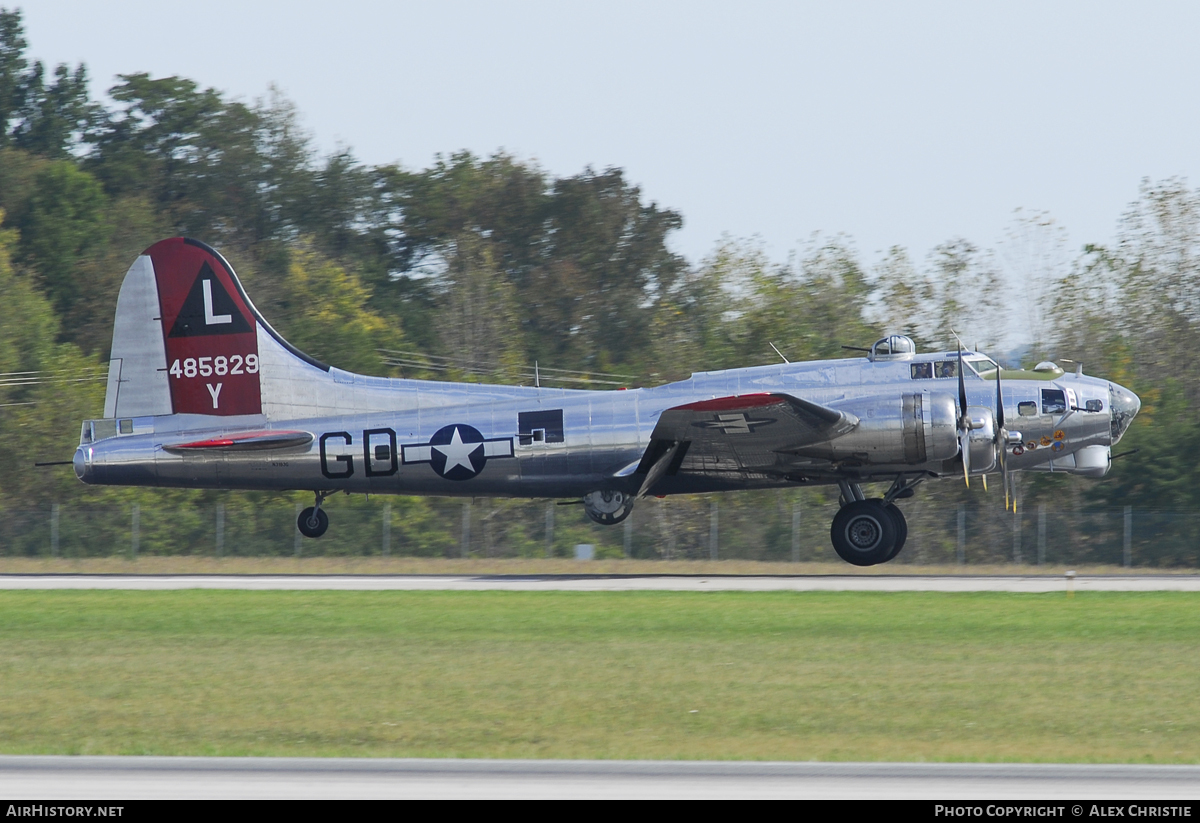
(118, 778)
(611, 583)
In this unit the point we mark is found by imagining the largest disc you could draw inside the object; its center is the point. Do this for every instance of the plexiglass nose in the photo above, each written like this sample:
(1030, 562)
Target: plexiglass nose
(1123, 405)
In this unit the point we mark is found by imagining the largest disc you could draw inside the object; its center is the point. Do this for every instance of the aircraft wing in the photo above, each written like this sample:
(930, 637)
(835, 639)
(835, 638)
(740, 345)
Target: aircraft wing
(742, 433)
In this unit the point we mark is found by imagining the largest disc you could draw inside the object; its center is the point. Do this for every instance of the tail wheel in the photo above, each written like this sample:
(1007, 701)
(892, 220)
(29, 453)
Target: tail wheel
(312, 522)
(864, 533)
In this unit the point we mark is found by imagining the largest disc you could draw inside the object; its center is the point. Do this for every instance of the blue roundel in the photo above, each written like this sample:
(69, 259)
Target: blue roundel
(456, 452)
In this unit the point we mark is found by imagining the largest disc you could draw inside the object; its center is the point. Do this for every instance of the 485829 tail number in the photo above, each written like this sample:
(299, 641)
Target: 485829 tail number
(219, 365)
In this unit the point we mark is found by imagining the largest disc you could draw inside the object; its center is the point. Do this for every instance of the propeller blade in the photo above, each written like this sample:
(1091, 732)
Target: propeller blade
(1001, 437)
(983, 477)
(964, 422)
(964, 446)
(1004, 471)
(999, 401)
(962, 392)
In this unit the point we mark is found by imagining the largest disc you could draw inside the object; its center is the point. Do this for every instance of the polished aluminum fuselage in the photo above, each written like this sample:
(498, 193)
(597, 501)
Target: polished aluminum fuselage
(603, 435)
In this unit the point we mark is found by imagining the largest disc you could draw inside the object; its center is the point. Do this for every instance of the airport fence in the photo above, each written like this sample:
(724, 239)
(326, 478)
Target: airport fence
(771, 526)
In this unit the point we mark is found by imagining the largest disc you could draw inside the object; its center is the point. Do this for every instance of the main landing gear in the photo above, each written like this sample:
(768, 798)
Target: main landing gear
(867, 532)
(313, 521)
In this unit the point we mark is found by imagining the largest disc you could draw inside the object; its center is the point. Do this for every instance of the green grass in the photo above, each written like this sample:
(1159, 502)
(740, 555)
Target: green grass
(1102, 677)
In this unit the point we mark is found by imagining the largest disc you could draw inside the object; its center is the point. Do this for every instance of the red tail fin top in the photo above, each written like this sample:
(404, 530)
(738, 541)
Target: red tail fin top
(209, 330)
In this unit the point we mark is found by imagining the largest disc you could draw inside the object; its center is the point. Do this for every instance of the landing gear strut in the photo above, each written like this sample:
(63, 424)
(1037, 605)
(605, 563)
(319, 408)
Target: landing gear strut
(313, 521)
(867, 532)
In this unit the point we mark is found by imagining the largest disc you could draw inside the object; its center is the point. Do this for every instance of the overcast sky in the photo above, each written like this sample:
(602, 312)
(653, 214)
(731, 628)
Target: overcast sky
(896, 123)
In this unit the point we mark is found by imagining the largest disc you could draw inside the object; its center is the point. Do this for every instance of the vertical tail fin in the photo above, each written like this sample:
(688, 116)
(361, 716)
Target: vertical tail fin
(187, 339)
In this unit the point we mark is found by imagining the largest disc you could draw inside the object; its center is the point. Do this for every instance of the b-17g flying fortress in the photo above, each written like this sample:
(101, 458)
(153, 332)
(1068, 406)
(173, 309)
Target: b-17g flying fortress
(203, 393)
(688, 287)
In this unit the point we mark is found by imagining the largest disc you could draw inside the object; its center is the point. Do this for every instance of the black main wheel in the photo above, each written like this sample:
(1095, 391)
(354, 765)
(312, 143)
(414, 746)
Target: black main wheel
(863, 533)
(312, 522)
(901, 529)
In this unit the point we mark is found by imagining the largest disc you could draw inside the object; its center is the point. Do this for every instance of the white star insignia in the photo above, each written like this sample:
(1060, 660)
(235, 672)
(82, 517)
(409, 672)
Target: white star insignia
(458, 453)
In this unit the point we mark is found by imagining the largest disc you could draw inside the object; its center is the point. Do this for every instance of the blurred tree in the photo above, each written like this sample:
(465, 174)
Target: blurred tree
(810, 308)
(697, 326)
(967, 295)
(1035, 259)
(47, 388)
(54, 117)
(587, 259)
(903, 299)
(325, 312)
(12, 70)
(61, 222)
(605, 265)
(154, 142)
(46, 118)
(477, 312)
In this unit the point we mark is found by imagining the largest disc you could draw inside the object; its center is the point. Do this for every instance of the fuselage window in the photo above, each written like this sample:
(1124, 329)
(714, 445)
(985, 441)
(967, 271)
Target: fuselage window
(946, 368)
(1054, 401)
(1027, 409)
(921, 371)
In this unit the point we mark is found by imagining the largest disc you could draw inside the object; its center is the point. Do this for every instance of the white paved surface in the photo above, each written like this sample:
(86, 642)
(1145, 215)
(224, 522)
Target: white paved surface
(101, 778)
(872, 583)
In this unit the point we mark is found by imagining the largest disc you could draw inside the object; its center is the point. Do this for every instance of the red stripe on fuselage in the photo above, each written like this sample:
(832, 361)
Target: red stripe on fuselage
(281, 438)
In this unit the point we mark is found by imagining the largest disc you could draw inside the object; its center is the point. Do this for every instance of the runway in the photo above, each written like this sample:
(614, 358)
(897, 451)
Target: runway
(131, 778)
(608, 583)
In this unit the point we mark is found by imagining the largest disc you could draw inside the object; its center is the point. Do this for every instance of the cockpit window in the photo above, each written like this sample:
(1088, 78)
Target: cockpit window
(1054, 401)
(921, 371)
(1028, 409)
(945, 368)
(981, 365)
(949, 368)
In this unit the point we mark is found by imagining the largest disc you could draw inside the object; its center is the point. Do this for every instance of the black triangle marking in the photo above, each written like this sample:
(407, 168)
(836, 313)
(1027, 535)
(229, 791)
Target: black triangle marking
(193, 319)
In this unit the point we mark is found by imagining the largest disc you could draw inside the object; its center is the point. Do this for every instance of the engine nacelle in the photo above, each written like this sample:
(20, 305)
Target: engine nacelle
(911, 429)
